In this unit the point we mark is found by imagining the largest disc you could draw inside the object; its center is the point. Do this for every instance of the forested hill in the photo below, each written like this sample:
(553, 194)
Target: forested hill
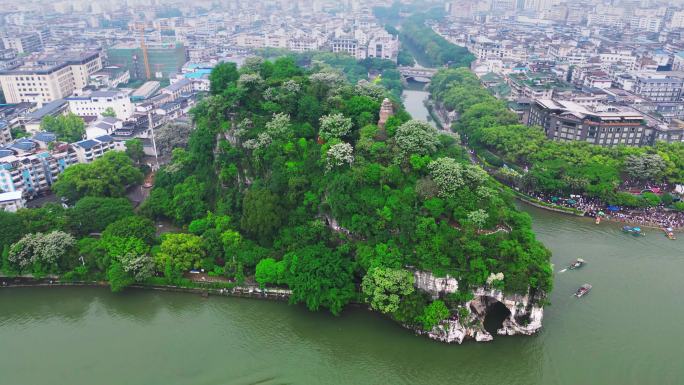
(313, 195)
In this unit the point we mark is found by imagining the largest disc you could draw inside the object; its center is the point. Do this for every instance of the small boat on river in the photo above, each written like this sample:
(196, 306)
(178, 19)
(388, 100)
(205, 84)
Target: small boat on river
(636, 231)
(577, 263)
(669, 233)
(584, 289)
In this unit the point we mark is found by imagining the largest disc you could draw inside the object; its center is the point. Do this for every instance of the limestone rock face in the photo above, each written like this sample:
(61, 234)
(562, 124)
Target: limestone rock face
(524, 318)
(425, 281)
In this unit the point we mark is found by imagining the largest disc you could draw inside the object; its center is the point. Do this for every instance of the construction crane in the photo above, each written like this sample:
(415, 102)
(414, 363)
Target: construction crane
(143, 46)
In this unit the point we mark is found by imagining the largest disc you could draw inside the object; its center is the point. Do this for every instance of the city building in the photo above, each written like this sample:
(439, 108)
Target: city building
(110, 77)
(90, 149)
(97, 102)
(12, 201)
(145, 91)
(31, 121)
(603, 125)
(659, 88)
(164, 59)
(49, 79)
(5, 132)
(24, 167)
(24, 43)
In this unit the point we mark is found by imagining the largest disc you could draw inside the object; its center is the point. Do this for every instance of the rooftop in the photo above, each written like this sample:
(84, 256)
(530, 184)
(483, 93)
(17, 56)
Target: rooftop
(10, 196)
(48, 109)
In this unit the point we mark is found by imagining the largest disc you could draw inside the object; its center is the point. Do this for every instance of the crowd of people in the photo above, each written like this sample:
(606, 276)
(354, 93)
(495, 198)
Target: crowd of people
(657, 216)
(651, 216)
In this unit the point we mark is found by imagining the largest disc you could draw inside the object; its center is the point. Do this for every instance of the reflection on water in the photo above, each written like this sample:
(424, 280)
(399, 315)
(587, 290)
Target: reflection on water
(171, 338)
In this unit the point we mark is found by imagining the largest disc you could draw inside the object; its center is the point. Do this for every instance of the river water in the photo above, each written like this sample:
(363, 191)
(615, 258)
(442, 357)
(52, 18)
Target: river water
(628, 330)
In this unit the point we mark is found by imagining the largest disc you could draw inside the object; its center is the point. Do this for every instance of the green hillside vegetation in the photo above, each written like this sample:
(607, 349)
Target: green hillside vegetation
(287, 181)
(314, 196)
(554, 167)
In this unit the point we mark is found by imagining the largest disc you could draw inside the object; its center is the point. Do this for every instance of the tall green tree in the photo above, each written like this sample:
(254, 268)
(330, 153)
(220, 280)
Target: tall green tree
(222, 76)
(68, 128)
(134, 150)
(180, 253)
(108, 176)
(262, 214)
(384, 288)
(94, 214)
(319, 277)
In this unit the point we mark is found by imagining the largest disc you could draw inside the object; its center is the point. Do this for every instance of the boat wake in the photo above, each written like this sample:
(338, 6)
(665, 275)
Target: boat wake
(563, 271)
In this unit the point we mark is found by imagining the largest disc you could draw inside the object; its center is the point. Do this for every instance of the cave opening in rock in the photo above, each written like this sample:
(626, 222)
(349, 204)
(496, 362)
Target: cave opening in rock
(496, 314)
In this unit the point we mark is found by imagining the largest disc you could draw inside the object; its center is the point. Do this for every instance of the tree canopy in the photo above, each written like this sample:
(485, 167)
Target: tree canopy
(68, 128)
(108, 176)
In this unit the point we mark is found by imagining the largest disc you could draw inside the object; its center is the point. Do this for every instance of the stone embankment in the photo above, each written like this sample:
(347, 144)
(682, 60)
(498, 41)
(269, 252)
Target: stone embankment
(249, 291)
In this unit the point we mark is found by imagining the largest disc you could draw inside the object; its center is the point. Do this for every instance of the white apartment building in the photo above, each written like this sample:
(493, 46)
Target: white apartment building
(605, 20)
(24, 43)
(384, 46)
(97, 102)
(619, 56)
(49, 79)
(646, 23)
(303, 44)
(348, 45)
(31, 173)
(12, 201)
(90, 149)
(677, 20)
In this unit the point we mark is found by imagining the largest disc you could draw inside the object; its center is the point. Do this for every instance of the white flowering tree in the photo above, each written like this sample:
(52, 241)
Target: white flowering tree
(366, 88)
(43, 250)
(416, 137)
(334, 126)
(339, 155)
(447, 173)
(252, 65)
(495, 278)
(279, 126)
(250, 81)
(451, 175)
(478, 217)
(328, 78)
(291, 86)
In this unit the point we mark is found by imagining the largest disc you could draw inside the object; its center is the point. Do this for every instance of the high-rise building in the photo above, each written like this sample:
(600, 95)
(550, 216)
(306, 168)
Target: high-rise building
(49, 78)
(24, 43)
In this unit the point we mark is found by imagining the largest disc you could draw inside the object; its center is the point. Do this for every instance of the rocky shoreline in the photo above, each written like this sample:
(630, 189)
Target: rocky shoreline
(524, 315)
(451, 330)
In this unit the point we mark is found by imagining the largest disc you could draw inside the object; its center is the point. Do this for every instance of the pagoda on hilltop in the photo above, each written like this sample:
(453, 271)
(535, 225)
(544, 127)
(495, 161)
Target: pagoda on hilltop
(386, 110)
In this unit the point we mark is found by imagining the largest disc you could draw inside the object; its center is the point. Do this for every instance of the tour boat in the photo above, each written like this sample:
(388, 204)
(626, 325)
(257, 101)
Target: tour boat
(669, 232)
(584, 289)
(577, 263)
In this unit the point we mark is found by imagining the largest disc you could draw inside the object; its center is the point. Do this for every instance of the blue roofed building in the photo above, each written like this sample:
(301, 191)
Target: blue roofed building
(90, 149)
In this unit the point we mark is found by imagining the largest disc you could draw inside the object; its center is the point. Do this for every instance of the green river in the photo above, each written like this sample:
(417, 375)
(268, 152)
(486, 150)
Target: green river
(626, 331)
